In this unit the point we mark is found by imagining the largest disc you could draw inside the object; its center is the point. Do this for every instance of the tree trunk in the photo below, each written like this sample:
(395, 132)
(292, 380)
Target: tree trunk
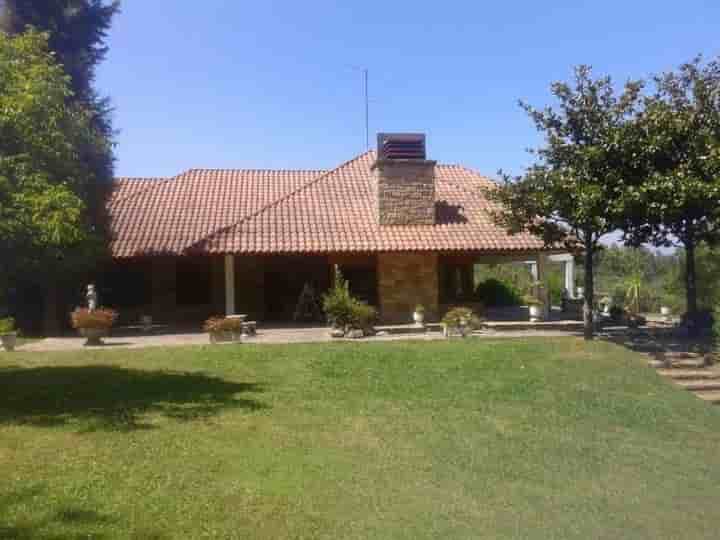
(691, 287)
(588, 327)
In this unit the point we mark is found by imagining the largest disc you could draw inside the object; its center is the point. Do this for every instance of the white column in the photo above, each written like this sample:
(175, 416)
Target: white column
(570, 277)
(533, 269)
(229, 284)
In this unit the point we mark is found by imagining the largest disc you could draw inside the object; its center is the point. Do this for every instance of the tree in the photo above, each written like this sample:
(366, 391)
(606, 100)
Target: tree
(43, 181)
(76, 30)
(575, 192)
(679, 198)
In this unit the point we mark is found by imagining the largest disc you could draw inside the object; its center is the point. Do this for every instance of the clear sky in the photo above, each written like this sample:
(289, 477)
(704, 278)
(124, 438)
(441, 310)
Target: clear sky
(275, 84)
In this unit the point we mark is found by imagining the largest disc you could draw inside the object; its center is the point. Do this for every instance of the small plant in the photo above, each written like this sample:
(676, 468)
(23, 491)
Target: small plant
(532, 300)
(215, 325)
(461, 318)
(345, 312)
(7, 325)
(99, 319)
(419, 308)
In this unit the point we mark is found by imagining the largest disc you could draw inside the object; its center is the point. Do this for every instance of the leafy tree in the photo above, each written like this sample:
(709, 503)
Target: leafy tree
(43, 181)
(76, 30)
(575, 191)
(678, 200)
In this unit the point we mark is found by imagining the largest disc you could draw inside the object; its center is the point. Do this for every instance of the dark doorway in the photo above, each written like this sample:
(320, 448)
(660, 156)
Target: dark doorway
(285, 277)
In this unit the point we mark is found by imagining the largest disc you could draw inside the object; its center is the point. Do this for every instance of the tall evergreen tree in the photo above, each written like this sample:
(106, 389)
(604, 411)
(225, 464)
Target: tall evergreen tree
(77, 32)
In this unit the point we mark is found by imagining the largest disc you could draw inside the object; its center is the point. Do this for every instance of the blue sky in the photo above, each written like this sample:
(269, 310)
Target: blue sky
(274, 84)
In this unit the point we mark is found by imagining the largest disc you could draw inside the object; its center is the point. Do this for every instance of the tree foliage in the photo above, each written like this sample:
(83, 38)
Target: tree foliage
(43, 180)
(576, 190)
(679, 197)
(77, 30)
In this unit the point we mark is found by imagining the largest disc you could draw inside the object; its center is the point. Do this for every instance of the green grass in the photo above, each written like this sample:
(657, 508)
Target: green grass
(473, 439)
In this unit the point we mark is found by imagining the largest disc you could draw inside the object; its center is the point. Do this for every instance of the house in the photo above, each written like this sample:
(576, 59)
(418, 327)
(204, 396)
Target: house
(404, 229)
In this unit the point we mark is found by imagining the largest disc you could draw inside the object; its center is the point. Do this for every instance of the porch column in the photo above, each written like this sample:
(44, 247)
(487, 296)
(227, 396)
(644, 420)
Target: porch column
(570, 277)
(229, 284)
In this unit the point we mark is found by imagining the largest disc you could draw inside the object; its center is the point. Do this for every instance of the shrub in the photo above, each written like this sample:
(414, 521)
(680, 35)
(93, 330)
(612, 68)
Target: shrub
(7, 325)
(343, 311)
(457, 316)
(101, 318)
(704, 321)
(531, 300)
(364, 316)
(222, 324)
(493, 292)
(616, 313)
(419, 308)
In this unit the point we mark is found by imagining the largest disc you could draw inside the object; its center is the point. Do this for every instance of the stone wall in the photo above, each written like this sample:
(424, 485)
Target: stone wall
(405, 280)
(406, 192)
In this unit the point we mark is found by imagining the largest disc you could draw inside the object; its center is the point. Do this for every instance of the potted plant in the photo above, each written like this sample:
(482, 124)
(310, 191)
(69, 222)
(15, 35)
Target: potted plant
(8, 335)
(460, 321)
(606, 303)
(93, 324)
(223, 329)
(419, 315)
(535, 306)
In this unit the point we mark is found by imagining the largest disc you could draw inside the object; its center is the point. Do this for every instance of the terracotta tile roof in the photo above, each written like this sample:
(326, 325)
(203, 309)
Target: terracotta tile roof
(300, 212)
(155, 216)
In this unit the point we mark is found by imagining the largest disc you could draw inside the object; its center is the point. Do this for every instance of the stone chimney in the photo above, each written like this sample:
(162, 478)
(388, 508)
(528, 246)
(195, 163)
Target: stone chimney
(405, 180)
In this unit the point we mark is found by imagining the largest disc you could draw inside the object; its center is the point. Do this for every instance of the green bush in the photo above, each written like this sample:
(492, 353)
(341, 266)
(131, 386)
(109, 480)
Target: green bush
(7, 325)
(457, 316)
(493, 292)
(344, 311)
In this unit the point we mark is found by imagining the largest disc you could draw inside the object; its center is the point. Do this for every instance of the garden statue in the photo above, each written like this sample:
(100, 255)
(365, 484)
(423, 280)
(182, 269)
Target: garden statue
(92, 297)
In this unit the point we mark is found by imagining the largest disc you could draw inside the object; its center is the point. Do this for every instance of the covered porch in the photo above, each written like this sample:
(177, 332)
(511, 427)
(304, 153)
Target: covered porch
(181, 292)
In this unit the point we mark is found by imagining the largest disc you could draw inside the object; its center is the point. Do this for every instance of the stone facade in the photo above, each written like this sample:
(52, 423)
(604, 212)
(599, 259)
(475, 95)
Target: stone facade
(405, 192)
(405, 280)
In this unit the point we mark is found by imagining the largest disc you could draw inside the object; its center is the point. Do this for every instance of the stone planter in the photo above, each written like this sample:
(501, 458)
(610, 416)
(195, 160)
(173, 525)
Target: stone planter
(93, 336)
(9, 341)
(536, 312)
(666, 313)
(419, 318)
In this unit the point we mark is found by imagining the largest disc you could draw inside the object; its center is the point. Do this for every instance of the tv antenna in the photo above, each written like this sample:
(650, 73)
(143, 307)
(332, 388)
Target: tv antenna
(367, 109)
(366, 97)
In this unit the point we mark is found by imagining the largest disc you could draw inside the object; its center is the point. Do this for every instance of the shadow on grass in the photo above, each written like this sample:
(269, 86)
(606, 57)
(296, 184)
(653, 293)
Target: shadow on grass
(113, 398)
(84, 523)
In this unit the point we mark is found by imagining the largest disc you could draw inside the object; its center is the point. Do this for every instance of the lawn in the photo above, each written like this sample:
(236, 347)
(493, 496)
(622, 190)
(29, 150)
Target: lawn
(532, 438)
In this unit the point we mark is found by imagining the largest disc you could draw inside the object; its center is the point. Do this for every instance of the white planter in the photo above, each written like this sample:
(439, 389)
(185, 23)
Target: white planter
(9, 341)
(536, 312)
(419, 318)
(665, 311)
